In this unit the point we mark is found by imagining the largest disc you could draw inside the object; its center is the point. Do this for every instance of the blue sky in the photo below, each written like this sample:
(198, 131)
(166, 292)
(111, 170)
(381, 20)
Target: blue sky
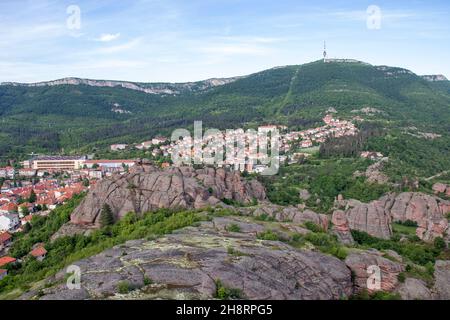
(187, 40)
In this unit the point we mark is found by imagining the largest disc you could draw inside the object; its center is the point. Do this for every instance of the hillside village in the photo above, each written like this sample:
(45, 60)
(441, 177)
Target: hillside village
(42, 183)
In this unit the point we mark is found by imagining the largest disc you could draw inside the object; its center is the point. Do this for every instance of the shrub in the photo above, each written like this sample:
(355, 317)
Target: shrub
(439, 243)
(264, 217)
(147, 281)
(268, 235)
(233, 228)
(313, 227)
(123, 287)
(224, 293)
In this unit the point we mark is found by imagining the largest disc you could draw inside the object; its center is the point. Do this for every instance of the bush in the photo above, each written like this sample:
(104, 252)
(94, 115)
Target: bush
(233, 228)
(419, 253)
(264, 217)
(378, 295)
(123, 287)
(147, 281)
(439, 243)
(313, 227)
(268, 235)
(224, 293)
(408, 223)
(401, 277)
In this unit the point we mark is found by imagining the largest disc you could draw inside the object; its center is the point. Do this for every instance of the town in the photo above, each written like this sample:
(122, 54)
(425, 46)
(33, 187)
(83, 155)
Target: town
(40, 184)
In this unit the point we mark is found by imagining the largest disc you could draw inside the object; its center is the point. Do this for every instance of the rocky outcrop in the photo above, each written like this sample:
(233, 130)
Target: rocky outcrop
(189, 263)
(441, 188)
(148, 188)
(374, 172)
(298, 215)
(414, 289)
(341, 227)
(363, 265)
(152, 88)
(368, 217)
(375, 218)
(442, 279)
(428, 211)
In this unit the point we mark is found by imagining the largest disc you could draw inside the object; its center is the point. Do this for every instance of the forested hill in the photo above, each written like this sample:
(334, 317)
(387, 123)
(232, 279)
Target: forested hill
(50, 118)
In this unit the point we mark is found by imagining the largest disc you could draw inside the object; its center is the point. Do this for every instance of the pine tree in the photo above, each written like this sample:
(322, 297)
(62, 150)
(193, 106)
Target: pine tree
(32, 198)
(106, 216)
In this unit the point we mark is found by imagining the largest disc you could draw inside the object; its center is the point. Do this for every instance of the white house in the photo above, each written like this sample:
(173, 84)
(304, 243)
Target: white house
(117, 147)
(9, 221)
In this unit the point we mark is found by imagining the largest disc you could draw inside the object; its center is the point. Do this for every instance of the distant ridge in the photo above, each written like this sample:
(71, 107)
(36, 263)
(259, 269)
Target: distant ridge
(152, 88)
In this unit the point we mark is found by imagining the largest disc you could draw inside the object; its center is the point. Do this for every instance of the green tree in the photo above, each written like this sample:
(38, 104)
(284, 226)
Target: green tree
(106, 216)
(32, 198)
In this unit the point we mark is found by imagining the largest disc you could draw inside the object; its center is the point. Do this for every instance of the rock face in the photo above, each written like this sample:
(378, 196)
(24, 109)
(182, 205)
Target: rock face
(188, 263)
(368, 217)
(441, 188)
(376, 217)
(442, 279)
(414, 289)
(341, 227)
(147, 188)
(428, 211)
(359, 263)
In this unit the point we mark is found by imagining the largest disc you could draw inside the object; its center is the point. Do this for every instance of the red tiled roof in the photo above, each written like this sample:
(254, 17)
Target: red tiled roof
(9, 207)
(27, 218)
(109, 161)
(5, 236)
(6, 260)
(38, 252)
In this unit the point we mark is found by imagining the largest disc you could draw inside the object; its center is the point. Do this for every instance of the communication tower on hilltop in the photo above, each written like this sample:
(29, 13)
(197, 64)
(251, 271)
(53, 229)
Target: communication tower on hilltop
(324, 51)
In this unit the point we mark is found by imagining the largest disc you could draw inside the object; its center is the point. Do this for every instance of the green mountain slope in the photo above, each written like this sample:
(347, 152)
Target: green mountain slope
(50, 118)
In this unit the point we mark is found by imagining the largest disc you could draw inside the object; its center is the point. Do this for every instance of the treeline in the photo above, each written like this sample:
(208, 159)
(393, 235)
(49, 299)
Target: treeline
(350, 146)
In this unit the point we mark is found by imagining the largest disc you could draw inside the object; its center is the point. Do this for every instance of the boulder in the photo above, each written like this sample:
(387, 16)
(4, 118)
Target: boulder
(147, 188)
(442, 279)
(414, 289)
(439, 188)
(361, 264)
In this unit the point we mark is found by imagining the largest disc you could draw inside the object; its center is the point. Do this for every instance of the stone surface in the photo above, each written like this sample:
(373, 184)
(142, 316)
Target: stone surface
(442, 279)
(414, 289)
(294, 214)
(428, 211)
(376, 217)
(359, 263)
(187, 264)
(440, 188)
(341, 227)
(147, 188)
(368, 217)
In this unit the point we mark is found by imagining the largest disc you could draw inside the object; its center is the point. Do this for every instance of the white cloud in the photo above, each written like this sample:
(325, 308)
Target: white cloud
(107, 37)
(119, 48)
